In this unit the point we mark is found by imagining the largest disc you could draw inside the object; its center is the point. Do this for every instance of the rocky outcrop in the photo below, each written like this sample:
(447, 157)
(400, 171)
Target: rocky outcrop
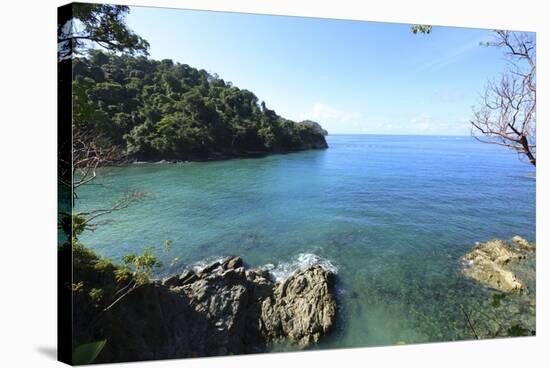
(318, 142)
(315, 125)
(490, 263)
(523, 244)
(221, 309)
(301, 308)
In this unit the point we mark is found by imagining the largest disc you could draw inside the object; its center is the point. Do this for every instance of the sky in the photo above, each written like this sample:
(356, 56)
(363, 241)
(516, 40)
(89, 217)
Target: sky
(353, 77)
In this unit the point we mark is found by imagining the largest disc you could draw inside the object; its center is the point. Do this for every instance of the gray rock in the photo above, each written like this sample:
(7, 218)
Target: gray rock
(302, 308)
(232, 262)
(171, 281)
(223, 309)
(187, 276)
(210, 268)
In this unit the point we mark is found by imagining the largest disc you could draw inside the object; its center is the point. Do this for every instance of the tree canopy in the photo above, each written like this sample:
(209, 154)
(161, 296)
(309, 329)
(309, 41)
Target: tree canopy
(100, 25)
(165, 110)
(421, 28)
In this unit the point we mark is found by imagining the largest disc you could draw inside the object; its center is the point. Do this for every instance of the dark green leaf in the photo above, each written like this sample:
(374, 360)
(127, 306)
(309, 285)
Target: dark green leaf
(87, 353)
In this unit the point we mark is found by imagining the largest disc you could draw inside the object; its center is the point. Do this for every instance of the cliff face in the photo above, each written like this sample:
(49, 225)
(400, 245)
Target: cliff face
(223, 309)
(314, 142)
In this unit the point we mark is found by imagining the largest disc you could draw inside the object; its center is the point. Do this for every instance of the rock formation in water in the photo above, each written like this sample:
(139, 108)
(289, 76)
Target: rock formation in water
(219, 310)
(490, 263)
(315, 125)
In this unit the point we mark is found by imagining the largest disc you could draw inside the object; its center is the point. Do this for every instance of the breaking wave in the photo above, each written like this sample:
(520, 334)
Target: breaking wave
(282, 271)
(200, 265)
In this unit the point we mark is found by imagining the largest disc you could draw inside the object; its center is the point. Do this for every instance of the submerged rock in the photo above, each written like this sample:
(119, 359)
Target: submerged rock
(221, 309)
(489, 263)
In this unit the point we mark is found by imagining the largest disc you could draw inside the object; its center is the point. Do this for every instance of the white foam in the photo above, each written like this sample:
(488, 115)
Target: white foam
(200, 265)
(281, 271)
(304, 261)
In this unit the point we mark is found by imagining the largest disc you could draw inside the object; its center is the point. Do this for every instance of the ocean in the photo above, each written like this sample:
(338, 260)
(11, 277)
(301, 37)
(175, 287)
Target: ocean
(392, 215)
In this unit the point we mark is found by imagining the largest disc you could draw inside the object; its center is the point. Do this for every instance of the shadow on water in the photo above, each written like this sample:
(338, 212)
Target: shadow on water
(228, 157)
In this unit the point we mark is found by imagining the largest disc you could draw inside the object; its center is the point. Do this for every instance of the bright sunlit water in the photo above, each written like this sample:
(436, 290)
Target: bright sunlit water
(393, 214)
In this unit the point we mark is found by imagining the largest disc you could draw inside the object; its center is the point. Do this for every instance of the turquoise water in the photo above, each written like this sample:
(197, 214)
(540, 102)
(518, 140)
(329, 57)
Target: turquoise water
(393, 214)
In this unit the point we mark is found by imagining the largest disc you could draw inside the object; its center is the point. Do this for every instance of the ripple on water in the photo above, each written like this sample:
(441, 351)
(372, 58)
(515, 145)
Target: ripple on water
(392, 215)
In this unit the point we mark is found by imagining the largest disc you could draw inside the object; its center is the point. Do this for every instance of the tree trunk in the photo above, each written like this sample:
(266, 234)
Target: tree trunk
(525, 144)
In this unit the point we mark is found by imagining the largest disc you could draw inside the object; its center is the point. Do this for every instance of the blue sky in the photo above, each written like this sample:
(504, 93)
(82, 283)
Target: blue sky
(350, 76)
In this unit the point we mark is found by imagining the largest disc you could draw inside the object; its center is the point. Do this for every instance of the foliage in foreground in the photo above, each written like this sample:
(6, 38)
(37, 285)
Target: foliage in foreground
(87, 353)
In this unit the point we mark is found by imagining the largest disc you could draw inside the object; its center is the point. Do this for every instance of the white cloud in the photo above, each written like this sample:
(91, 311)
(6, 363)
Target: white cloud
(321, 112)
(425, 124)
(422, 122)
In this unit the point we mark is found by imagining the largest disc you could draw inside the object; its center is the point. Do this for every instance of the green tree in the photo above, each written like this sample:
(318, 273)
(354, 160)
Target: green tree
(174, 111)
(97, 24)
(421, 28)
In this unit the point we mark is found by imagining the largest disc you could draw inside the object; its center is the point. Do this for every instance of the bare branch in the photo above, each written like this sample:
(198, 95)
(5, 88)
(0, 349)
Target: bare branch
(470, 324)
(133, 287)
(91, 217)
(89, 153)
(506, 113)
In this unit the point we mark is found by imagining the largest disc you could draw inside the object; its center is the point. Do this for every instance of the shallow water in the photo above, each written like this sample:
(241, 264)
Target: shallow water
(393, 214)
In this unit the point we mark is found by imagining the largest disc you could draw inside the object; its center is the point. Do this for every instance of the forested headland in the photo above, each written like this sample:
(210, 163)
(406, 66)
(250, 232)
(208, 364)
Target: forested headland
(163, 110)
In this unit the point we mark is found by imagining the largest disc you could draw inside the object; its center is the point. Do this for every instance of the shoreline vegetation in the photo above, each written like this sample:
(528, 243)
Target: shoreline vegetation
(160, 110)
(258, 154)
